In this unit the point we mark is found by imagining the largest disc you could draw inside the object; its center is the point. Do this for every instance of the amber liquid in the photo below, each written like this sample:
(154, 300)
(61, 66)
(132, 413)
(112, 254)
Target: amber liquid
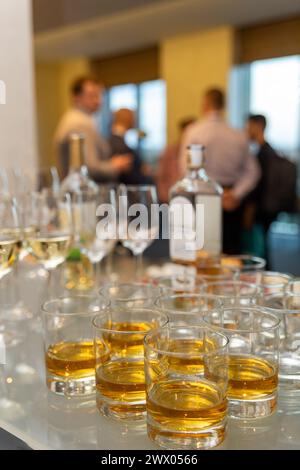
(79, 275)
(120, 377)
(251, 378)
(71, 359)
(177, 407)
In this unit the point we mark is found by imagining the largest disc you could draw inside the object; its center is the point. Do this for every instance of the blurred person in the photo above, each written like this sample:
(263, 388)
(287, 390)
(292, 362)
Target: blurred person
(124, 120)
(168, 171)
(227, 161)
(87, 99)
(277, 188)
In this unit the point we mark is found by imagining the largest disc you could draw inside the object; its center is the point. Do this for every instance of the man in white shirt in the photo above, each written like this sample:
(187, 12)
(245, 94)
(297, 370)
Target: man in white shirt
(87, 99)
(227, 161)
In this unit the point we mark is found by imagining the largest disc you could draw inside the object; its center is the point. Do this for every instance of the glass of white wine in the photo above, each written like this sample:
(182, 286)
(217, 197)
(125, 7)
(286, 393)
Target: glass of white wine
(15, 307)
(52, 237)
(10, 234)
(138, 228)
(10, 246)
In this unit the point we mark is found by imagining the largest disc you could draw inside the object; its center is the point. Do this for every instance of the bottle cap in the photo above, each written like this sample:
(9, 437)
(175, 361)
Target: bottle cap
(195, 155)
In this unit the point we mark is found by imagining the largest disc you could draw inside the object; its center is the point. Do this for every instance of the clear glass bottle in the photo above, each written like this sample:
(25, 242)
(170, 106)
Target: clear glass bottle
(79, 271)
(195, 215)
(78, 177)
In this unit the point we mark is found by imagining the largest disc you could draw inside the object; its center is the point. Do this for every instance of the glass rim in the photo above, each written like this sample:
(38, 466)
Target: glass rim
(292, 281)
(281, 311)
(74, 297)
(236, 282)
(180, 276)
(173, 327)
(258, 261)
(134, 187)
(261, 310)
(129, 284)
(288, 277)
(188, 295)
(131, 310)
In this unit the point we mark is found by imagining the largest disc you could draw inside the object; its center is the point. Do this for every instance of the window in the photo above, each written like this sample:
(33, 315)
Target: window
(148, 100)
(270, 87)
(275, 92)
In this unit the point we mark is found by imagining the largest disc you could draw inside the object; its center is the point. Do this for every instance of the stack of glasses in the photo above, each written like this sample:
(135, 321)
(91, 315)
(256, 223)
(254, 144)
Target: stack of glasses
(181, 354)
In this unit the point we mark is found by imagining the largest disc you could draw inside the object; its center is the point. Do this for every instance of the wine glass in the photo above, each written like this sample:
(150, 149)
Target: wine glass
(51, 240)
(10, 234)
(138, 222)
(10, 246)
(15, 308)
(95, 223)
(47, 178)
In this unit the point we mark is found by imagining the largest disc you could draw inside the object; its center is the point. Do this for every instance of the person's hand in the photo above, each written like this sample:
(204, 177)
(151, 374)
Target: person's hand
(230, 201)
(122, 163)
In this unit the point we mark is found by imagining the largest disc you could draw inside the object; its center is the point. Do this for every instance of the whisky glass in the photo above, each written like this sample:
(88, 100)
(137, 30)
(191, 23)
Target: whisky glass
(243, 263)
(216, 272)
(181, 283)
(253, 358)
(69, 345)
(120, 380)
(269, 281)
(187, 308)
(132, 295)
(235, 293)
(287, 307)
(186, 379)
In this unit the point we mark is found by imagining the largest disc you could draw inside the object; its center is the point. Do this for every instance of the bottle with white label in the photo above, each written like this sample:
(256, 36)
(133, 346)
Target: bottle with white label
(195, 215)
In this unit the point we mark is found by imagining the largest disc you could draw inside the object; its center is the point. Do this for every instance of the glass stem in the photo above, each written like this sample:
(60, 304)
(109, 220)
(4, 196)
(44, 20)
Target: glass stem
(139, 265)
(97, 276)
(51, 291)
(109, 265)
(16, 285)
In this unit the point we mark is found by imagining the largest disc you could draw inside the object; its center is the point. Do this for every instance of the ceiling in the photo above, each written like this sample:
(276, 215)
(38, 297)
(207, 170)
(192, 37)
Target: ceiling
(67, 12)
(69, 28)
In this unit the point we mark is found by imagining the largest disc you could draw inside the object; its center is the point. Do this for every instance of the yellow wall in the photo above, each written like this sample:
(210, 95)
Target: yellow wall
(53, 80)
(191, 63)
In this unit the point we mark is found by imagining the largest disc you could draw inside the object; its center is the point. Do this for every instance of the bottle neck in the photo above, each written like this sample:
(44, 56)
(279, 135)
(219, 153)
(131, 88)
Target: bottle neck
(196, 172)
(76, 151)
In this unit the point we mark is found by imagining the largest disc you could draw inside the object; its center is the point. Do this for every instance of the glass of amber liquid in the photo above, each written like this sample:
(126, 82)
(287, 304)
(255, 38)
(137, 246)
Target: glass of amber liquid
(120, 379)
(180, 283)
(235, 293)
(187, 308)
(186, 371)
(69, 345)
(133, 294)
(253, 358)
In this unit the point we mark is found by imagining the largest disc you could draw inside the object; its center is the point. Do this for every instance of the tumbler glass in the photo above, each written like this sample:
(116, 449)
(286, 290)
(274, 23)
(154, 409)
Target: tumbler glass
(253, 358)
(120, 380)
(235, 293)
(69, 346)
(186, 379)
(187, 308)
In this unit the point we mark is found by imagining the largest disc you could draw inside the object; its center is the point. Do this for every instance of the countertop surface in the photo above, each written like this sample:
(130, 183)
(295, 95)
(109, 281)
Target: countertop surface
(43, 420)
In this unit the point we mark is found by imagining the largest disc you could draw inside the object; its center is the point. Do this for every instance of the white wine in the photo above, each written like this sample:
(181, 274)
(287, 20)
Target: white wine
(50, 249)
(9, 248)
